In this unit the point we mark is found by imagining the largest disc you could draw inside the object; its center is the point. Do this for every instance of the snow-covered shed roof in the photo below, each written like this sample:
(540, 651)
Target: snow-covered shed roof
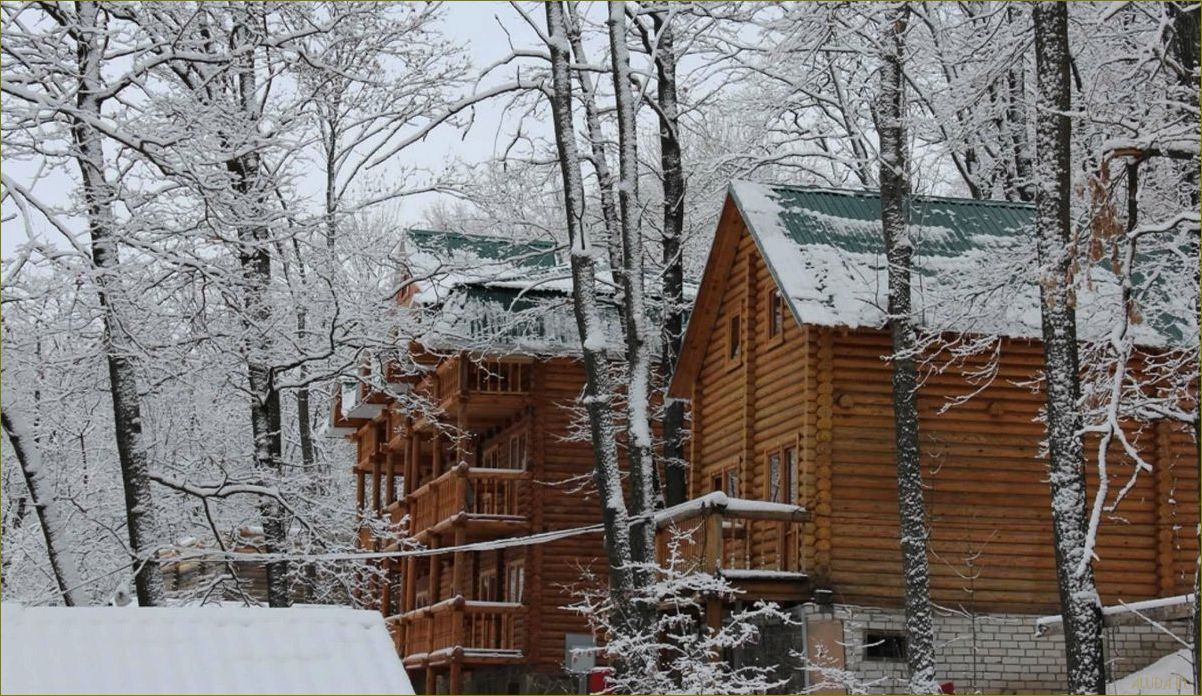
(973, 265)
(197, 650)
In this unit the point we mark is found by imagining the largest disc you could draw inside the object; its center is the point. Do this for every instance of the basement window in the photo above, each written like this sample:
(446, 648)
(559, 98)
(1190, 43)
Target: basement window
(884, 646)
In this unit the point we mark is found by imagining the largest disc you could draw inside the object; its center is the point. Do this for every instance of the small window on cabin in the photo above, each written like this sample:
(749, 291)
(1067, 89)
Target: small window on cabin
(791, 474)
(776, 482)
(515, 584)
(517, 451)
(486, 586)
(776, 313)
(884, 646)
(726, 481)
(734, 339)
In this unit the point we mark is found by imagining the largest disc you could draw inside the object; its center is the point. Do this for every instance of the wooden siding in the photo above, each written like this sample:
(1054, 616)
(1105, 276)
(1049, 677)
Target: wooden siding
(989, 506)
(546, 498)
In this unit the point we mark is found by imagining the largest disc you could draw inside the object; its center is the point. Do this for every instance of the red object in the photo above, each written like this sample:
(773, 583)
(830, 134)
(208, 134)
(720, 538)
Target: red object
(948, 687)
(598, 680)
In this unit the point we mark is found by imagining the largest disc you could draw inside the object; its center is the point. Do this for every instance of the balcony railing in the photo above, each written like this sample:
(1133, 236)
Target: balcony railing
(482, 629)
(465, 492)
(463, 376)
(716, 533)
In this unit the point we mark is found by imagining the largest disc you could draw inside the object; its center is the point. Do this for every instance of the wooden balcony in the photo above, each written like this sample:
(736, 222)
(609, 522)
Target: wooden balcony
(753, 544)
(460, 630)
(485, 502)
(484, 392)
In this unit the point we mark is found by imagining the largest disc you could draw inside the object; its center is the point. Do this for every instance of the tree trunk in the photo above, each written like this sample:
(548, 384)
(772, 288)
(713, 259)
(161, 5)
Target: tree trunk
(895, 194)
(598, 393)
(634, 305)
(254, 257)
(675, 466)
(1080, 605)
(596, 137)
(123, 381)
(58, 550)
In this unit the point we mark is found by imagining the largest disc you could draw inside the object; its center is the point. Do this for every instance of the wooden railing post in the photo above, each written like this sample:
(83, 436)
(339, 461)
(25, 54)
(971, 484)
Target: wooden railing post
(458, 618)
(712, 537)
(459, 570)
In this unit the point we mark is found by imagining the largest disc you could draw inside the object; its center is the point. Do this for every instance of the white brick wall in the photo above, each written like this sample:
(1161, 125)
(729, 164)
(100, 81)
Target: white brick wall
(991, 653)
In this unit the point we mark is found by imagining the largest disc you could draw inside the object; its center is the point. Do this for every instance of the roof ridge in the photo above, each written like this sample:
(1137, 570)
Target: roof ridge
(872, 193)
(552, 244)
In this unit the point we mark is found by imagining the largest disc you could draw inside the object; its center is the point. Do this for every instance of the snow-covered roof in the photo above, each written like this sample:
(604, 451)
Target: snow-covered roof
(1171, 674)
(197, 650)
(973, 263)
(496, 294)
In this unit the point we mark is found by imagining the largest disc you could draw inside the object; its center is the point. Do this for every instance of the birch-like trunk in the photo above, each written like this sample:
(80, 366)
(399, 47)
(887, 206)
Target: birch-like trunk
(53, 524)
(634, 306)
(1080, 605)
(598, 392)
(895, 195)
(123, 381)
(671, 166)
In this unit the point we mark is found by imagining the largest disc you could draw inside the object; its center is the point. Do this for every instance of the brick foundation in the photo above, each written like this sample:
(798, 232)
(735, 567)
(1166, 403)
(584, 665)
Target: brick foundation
(982, 653)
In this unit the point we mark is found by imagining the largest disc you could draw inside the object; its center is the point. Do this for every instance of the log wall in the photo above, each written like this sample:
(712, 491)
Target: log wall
(829, 391)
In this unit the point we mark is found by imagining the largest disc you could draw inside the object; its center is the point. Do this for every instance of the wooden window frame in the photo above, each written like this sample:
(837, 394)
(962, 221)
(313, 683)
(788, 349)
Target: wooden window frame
(774, 300)
(516, 567)
(734, 348)
(724, 478)
(482, 584)
(791, 470)
(519, 450)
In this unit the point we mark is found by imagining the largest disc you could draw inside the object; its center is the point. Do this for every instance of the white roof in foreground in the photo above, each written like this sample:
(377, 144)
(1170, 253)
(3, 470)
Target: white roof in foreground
(197, 650)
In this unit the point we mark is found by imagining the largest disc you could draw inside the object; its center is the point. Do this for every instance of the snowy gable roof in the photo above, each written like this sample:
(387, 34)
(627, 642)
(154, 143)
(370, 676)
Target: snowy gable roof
(973, 263)
(197, 650)
(974, 269)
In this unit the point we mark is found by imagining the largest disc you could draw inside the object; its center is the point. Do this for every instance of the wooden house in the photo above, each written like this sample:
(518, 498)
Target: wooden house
(785, 367)
(490, 457)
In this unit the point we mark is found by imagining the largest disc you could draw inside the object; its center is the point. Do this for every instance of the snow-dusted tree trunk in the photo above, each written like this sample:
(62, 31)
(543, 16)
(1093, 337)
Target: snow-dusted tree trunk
(895, 194)
(254, 257)
(123, 381)
(1079, 600)
(54, 525)
(634, 301)
(598, 393)
(596, 138)
(672, 170)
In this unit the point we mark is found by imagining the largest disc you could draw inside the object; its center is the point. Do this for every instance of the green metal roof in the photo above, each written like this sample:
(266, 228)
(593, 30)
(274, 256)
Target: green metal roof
(525, 254)
(973, 264)
(815, 215)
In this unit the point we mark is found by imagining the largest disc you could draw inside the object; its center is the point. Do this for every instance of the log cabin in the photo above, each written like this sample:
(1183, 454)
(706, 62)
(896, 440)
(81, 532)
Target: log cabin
(785, 369)
(468, 438)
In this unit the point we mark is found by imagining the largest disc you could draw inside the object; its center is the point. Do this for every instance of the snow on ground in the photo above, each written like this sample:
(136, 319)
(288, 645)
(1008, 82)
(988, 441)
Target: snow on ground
(197, 650)
(1172, 674)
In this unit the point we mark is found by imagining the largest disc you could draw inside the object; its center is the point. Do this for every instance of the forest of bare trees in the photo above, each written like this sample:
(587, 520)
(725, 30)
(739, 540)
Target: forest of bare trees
(201, 206)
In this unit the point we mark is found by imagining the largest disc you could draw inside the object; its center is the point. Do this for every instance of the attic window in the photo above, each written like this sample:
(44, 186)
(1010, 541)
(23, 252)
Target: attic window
(734, 339)
(884, 646)
(776, 313)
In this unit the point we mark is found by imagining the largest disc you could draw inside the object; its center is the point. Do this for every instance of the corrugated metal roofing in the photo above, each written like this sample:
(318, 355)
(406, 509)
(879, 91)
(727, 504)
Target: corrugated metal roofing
(952, 225)
(973, 262)
(522, 254)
